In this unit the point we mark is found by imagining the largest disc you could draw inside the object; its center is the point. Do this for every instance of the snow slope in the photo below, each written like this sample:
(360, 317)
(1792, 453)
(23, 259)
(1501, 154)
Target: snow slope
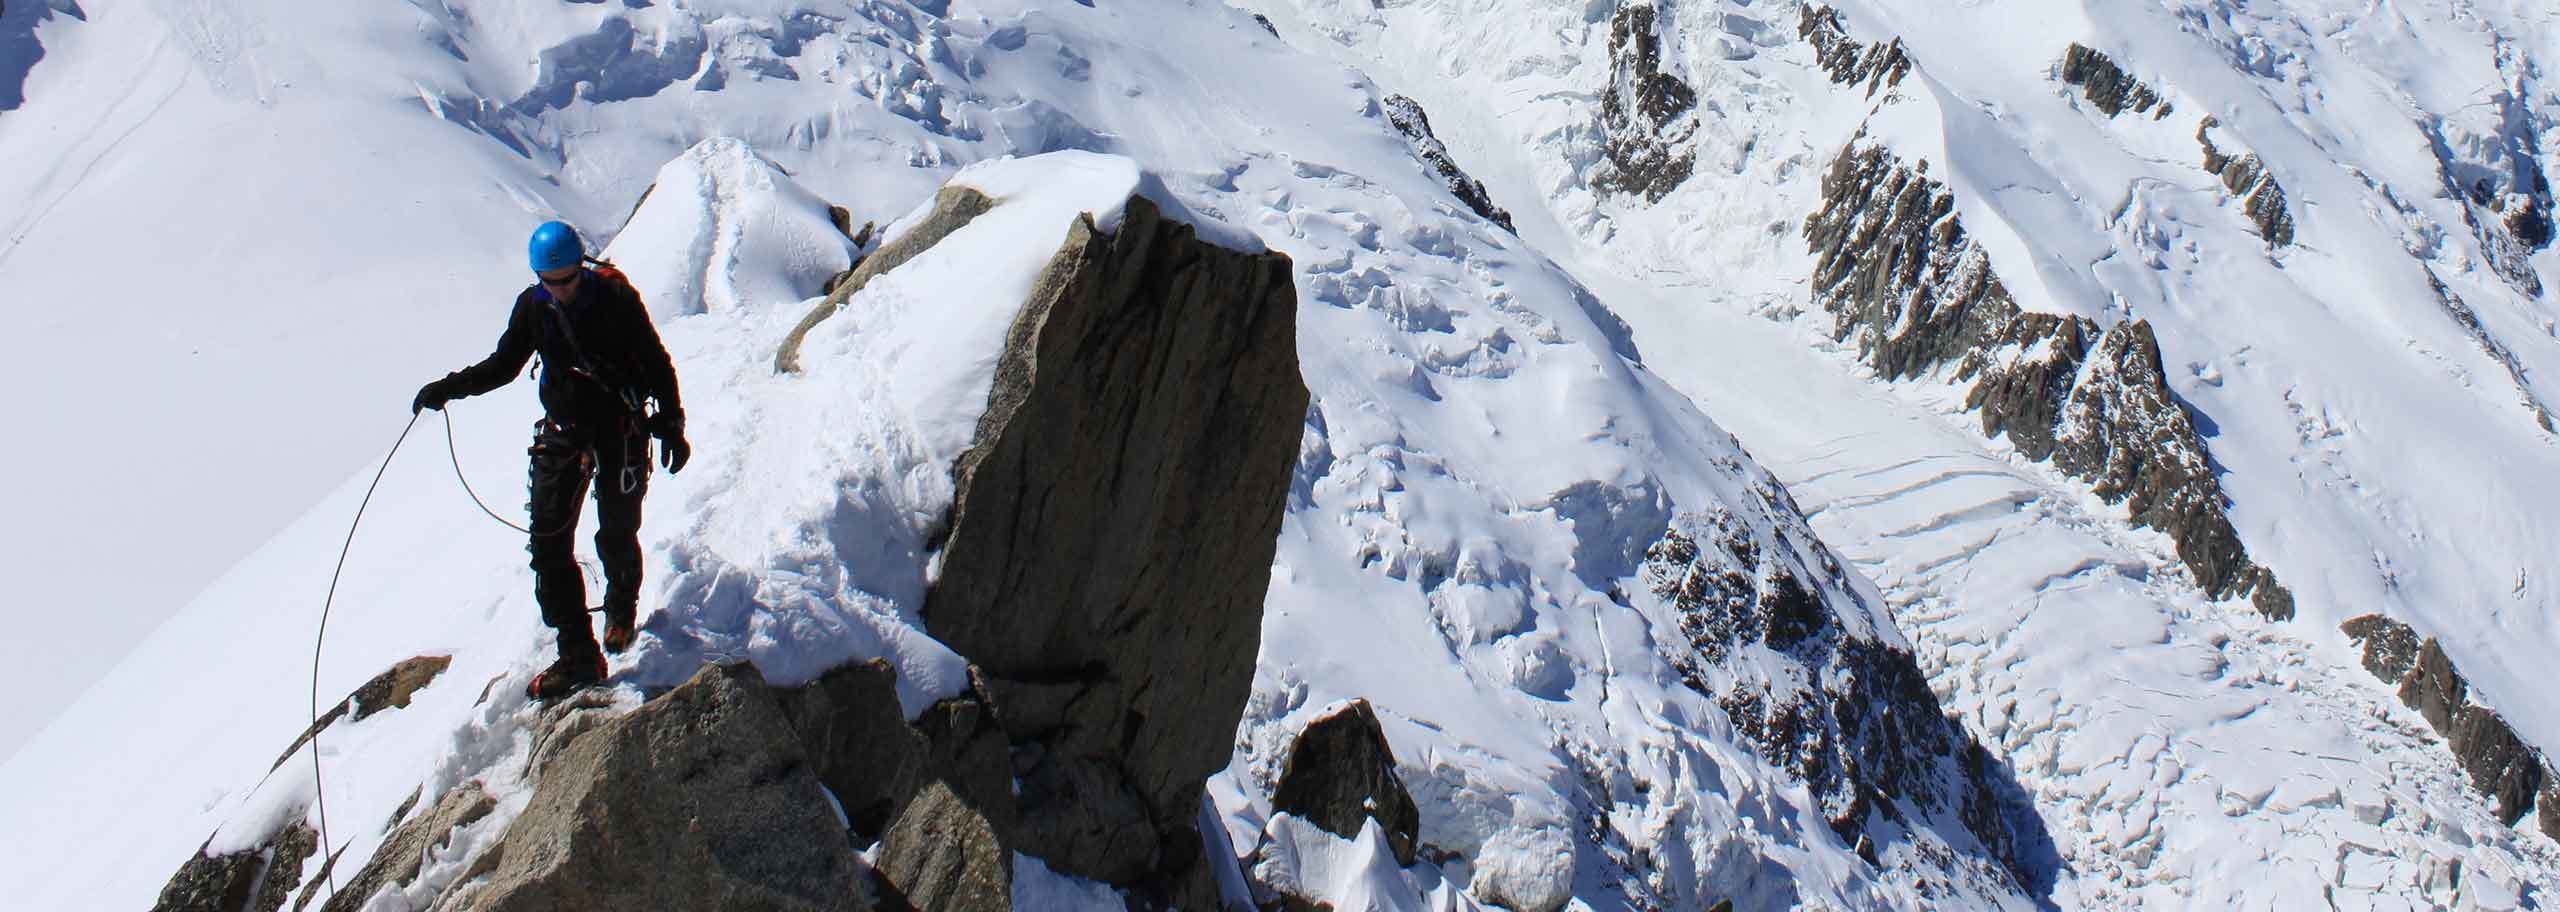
(1484, 468)
(2380, 454)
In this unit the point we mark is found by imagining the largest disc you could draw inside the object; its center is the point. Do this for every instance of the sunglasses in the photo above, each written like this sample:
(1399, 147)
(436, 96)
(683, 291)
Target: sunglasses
(563, 281)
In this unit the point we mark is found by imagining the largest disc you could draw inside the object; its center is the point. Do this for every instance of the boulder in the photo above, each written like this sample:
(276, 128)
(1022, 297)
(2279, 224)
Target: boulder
(1113, 532)
(699, 799)
(397, 862)
(1340, 772)
(945, 856)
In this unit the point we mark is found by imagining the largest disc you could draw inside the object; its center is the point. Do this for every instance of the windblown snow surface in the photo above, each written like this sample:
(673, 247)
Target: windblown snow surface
(315, 207)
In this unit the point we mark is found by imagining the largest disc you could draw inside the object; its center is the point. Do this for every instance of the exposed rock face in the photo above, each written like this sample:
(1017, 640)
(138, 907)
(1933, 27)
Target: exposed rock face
(2245, 175)
(1879, 67)
(257, 880)
(389, 690)
(1646, 114)
(2549, 802)
(953, 208)
(2504, 768)
(2108, 86)
(1406, 114)
(1849, 714)
(944, 854)
(2122, 431)
(2501, 765)
(1112, 541)
(700, 799)
(1895, 267)
(396, 863)
(1341, 772)
(2433, 689)
(2390, 647)
(866, 753)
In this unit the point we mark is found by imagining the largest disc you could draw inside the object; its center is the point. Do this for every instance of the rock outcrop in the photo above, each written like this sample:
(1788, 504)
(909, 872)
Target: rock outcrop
(1878, 67)
(1341, 772)
(2506, 770)
(253, 880)
(1115, 524)
(389, 690)
(2246, 176)
(700, 799)
(262, 878)
(1646, 114)
(1894, 266)
(945, 854)
(954, 207)
(1844, 711)
(1407, 116)
(2108, 86)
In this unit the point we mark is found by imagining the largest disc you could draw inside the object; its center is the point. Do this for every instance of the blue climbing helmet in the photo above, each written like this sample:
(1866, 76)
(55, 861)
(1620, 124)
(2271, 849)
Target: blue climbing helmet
(555, 245)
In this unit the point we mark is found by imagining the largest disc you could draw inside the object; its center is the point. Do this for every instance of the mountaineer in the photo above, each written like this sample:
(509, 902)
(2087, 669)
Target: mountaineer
(607, 386)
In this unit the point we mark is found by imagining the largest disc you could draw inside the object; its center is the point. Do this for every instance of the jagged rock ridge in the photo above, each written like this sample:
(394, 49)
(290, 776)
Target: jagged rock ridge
(2505, 769)
(1646, 115)
(1879, 67)
(1407, 116)
(2108, 86)
(1847, 712)
(2246, 176)
(1895, 267)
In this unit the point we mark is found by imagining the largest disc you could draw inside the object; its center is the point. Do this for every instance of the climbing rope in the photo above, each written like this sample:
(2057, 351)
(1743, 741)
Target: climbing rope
(456, 455)
(318, 788)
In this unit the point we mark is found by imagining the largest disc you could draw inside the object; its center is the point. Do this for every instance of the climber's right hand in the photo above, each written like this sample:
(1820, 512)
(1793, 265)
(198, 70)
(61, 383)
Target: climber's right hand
(432, 396)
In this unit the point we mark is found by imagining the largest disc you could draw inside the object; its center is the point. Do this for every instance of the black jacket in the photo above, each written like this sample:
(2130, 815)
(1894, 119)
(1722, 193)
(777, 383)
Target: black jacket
(607, 360)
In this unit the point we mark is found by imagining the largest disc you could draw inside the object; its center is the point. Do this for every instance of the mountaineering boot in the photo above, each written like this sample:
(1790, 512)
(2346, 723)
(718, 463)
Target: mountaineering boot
(576, 669)
(619, 621)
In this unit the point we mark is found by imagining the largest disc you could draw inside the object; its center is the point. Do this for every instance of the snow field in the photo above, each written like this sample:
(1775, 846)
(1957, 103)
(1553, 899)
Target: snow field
(2187, 754)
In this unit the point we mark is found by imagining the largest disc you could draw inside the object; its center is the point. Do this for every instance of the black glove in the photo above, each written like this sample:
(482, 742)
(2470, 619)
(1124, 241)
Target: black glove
(432, 396)
(668, 426)
(673, 452)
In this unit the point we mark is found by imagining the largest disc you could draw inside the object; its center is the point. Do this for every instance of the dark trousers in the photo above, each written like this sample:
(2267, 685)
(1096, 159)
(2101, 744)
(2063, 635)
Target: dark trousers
(612, 453)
